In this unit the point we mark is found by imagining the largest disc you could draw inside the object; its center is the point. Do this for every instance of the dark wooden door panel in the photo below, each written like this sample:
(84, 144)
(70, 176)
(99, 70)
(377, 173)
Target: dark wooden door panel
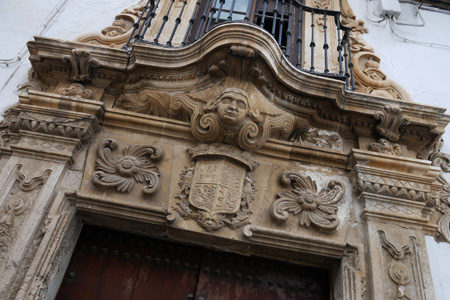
(168, 272)
(227, 276)
(117, 266)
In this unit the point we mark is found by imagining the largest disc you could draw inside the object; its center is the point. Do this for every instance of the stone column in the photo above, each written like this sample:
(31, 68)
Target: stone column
(397, 195)
(45, 132)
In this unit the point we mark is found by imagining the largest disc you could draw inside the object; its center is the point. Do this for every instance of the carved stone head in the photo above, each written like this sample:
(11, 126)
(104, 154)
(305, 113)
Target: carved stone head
(232, 107)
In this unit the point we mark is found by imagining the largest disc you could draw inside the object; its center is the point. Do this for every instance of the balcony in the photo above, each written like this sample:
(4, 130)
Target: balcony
(311, 39)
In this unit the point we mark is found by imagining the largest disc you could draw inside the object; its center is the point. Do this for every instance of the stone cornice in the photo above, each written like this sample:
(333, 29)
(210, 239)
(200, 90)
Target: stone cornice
(321, 102)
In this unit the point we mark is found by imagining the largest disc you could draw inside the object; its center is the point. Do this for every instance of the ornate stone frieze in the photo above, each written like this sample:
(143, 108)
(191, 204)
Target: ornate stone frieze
(318, 138)
(121, 172)
(13, 207)
(236, 116)
(146, 102)
(395, 188)
(404, 269)
(82, 65)
(76, 90)
(391, 119)
(384, 146)
(369, 78)
(388, 186)
(313, 207)
(217, 191)
(16, 204)
(82, 129)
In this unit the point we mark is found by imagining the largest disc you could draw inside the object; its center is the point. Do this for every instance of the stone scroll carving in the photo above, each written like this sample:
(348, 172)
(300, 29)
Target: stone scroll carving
(317, 208)
(116, 35)
(146, 102)
(34, 83)
(217, 191)
(121, 172)
(234, 117)
(82, 64)
(391, 119)
(442, 160)
(318, 138)
(76, 90)
(385, 147)
(369, 79)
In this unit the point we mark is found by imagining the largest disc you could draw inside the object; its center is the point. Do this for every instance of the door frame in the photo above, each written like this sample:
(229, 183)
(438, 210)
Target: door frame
(71, 210)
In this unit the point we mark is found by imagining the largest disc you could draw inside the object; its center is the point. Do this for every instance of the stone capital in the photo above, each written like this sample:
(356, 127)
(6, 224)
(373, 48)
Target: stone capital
(395, 189)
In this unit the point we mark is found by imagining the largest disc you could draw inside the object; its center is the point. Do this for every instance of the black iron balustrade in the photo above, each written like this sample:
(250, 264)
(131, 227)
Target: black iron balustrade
(285, 20)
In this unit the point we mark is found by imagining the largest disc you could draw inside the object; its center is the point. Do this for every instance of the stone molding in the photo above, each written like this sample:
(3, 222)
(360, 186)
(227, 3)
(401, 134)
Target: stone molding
(395, 189)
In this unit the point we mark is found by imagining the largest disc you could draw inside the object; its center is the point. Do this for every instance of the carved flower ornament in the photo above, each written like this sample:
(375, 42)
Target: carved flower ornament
(122, 171)
(303, 200)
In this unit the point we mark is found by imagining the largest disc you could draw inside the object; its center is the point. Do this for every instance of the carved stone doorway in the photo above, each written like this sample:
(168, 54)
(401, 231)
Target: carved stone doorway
(113, 265)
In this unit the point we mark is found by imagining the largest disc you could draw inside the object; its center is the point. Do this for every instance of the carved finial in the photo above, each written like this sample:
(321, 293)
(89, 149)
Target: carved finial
(391, 119)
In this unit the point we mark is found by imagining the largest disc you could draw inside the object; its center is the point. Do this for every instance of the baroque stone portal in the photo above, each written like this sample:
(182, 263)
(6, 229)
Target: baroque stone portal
(217, 192)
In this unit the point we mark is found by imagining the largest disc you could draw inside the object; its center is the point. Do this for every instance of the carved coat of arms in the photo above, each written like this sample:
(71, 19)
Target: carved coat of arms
(216, 192)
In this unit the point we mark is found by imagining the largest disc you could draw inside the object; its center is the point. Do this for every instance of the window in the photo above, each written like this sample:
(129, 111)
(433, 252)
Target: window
(280, 18)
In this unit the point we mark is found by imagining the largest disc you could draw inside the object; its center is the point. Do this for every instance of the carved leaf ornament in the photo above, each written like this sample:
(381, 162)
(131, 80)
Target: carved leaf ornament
(303, 200)
(123, 171)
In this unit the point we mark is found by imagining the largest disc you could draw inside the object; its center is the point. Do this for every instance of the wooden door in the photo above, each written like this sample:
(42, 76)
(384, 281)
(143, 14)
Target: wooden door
(117, 266)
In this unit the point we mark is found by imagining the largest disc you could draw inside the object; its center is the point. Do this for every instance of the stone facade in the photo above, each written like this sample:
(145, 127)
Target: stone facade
(221, 143)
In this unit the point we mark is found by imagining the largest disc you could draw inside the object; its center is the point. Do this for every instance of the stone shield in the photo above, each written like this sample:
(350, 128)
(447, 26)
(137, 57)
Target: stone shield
(217, 186)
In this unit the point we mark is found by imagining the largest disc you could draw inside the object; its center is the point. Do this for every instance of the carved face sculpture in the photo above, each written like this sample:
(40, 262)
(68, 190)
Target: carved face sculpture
(232, 107)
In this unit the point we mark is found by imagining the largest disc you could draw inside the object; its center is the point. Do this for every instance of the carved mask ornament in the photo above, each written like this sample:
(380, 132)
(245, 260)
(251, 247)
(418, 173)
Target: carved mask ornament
(217, 191)
(239, 115)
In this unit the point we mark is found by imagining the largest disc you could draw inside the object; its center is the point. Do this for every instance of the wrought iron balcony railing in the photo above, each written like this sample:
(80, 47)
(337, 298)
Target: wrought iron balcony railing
(298, 29)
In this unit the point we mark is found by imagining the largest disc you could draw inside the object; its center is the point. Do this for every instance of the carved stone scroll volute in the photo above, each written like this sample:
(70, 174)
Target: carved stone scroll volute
(391, 119)
(217, 191)
(82, 64)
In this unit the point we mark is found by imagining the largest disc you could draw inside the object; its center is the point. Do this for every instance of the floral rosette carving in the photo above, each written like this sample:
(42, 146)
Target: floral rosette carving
(121, 172)
(317, 208)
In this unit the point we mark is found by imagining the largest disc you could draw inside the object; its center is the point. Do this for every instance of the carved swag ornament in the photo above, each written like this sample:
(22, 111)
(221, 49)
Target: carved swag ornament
(312, 207)
(217, 191)
(121, 172)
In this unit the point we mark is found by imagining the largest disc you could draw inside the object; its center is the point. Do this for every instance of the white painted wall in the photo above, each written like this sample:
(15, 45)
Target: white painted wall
(423, 70)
